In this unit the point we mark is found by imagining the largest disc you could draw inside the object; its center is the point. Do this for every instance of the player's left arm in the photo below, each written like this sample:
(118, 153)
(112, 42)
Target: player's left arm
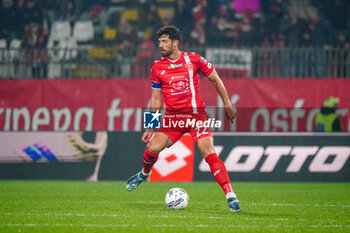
(230, 112)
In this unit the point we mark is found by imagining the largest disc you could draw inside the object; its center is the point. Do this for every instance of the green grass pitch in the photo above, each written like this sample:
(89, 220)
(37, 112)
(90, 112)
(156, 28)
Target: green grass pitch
(78, 206)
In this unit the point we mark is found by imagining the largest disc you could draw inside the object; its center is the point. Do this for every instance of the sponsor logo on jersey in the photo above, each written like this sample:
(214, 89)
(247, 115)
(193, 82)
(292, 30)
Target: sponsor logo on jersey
(189, 66)
(180, 85)
(173, 66)
(203, 60)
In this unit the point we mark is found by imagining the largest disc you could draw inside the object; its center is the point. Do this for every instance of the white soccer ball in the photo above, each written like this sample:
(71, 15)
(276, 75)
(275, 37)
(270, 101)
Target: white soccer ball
(176, 198)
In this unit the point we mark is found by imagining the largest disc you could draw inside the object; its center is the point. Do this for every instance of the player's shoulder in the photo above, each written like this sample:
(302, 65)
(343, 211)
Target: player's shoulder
(194, 56)
(158, 62)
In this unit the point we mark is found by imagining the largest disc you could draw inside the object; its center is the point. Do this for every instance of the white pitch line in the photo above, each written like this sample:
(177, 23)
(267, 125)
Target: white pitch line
(256, 204)
(111, 215)
(170, 225)
(229, 216)
(263, 204)
(197, 202)
(293, 204)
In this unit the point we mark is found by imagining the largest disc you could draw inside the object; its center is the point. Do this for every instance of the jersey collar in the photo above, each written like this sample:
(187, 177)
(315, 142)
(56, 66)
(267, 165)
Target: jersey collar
(173, 61)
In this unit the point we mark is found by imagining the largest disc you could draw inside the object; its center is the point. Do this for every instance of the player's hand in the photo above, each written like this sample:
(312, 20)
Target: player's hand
(231, 113)
(147, 136)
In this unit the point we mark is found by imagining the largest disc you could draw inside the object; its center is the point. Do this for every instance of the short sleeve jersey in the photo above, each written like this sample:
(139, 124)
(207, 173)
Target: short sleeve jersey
(179, 80)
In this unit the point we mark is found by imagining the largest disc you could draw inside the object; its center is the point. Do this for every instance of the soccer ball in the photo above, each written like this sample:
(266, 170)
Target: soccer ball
(176, 198)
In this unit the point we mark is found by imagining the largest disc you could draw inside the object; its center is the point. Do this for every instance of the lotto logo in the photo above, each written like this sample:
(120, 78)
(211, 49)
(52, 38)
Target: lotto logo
(175, 163)
(151, 120)
(299, 155)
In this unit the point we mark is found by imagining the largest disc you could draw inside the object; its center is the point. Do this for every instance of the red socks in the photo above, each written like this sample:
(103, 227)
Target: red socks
(149, 159)
(218, 169)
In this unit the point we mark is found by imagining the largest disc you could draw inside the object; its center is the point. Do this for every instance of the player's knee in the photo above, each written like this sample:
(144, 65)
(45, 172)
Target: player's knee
(205, 153)
(155, 148)
(206, 149)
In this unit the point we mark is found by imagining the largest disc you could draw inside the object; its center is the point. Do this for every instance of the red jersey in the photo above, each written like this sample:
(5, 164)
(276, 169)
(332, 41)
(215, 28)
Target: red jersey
(179, 80)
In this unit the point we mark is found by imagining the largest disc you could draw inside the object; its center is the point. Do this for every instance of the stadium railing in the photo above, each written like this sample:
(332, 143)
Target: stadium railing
(108, 62)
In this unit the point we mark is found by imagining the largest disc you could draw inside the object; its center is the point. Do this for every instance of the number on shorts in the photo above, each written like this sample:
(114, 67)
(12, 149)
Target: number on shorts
(198, 129)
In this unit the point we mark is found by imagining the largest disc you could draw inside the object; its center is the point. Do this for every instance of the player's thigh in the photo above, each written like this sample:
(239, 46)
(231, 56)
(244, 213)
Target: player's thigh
(159, 142)
(206, 145)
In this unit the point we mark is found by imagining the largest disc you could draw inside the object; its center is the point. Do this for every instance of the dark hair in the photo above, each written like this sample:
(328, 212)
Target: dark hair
(172, 31)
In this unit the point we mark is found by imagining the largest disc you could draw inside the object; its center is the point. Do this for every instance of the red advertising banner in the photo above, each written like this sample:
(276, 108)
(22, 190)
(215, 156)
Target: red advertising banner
(176, 162)
(116, 104)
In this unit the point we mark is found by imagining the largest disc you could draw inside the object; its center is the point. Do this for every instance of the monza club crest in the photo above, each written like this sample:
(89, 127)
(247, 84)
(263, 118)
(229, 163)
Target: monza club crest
(189, 66)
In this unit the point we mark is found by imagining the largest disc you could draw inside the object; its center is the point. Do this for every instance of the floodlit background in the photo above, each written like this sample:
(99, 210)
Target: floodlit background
(116, 38)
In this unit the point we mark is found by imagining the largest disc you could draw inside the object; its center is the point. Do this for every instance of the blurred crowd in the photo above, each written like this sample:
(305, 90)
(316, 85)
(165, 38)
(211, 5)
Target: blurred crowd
(42, 31)
(229, 23)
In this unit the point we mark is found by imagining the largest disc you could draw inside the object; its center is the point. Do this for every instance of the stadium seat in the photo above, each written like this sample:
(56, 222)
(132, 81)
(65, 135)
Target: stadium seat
(71, 45)
(56, 54)
(109, 33)
(164, 11)
(83, 31)
(13, 54)
(130, 14)
(3, 43)
(60, 30)
(15, 46)
(60, 50)
(3, 59)
(3, 47)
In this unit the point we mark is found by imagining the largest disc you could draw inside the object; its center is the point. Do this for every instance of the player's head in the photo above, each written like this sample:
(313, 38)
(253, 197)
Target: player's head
(169, 38)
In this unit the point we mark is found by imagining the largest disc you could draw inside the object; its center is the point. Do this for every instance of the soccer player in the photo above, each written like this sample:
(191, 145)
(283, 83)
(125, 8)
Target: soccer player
(176, 76)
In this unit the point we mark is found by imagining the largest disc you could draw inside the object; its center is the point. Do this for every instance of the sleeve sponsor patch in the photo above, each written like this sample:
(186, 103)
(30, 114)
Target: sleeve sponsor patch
(204, 60)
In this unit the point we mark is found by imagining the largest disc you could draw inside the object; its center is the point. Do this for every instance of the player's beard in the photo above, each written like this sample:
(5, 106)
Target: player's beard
(168, 53)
